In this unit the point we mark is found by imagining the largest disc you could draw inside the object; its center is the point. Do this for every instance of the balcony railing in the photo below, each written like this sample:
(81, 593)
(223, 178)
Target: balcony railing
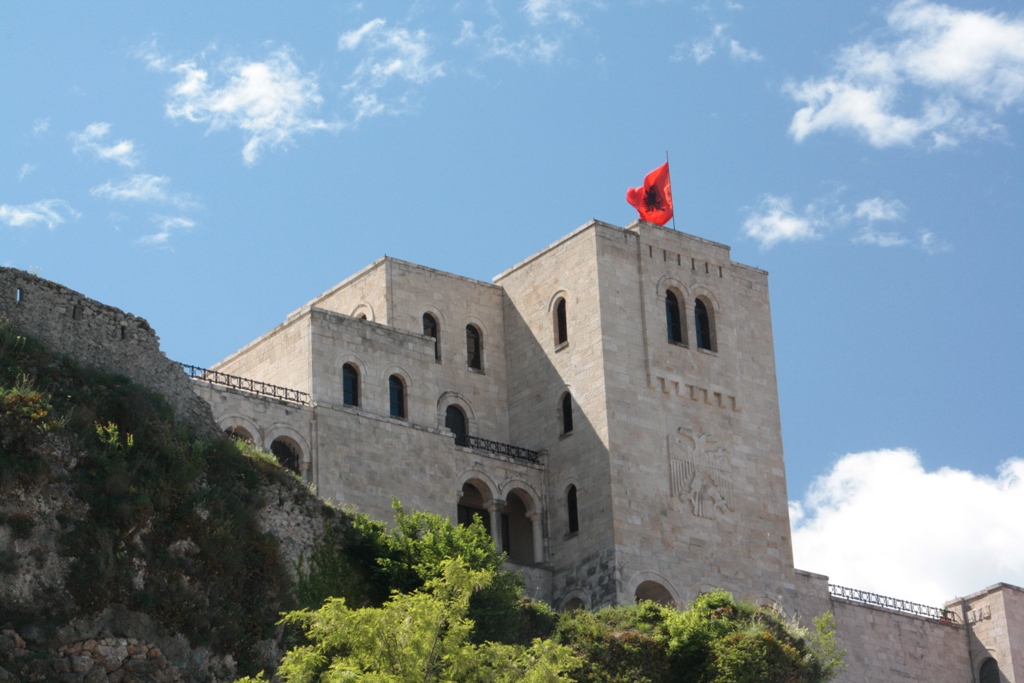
(895, 604)
(245, 384)
(497, 448)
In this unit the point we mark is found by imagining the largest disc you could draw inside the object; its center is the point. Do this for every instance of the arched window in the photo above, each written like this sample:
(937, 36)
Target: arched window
(474, 348)
(350, 384)
(286, 453)
(396, 390)
(653, 591)
(566, 413)
(673, 319)
(574, 515)
(240, 433)
(702, 325)
(430, 330)
(455, 420)
(989, 671)
(561, 325)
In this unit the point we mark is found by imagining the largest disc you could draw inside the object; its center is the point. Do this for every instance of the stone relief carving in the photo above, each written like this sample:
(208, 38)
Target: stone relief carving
(700, 473)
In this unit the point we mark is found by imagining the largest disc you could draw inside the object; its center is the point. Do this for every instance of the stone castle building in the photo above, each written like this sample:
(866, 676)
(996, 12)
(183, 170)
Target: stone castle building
(608, 407)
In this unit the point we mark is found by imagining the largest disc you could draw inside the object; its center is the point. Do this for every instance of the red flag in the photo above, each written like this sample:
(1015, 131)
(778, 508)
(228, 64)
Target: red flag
(654, 200)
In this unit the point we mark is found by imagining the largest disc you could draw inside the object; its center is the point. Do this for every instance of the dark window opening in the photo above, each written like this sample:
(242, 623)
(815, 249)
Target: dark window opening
(574, 516)
(240, 433)
(396, 389)
(473, 348)
(653, 591)
(673, 318)
(567, 413)
(562, 325)
(702, 325)
(455, 420)
(124, 332)
(430, 330)
(467, 514)
(362, 316)
(471, 506)
(350, 384)
(285, 454)
(989, 672)
(706, 267)
(76, 312)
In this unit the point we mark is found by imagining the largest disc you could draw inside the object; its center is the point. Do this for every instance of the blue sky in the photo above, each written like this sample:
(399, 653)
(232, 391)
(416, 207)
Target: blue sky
(212, 166)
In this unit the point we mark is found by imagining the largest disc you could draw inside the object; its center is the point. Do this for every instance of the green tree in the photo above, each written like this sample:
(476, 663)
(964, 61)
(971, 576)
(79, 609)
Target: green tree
(417, 637)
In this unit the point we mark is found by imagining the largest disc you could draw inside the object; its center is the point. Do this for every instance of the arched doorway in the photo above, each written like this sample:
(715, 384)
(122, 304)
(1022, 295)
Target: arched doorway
(472, 505)
(517, 530)
(287, 453)
(240, 433)
(655, 592)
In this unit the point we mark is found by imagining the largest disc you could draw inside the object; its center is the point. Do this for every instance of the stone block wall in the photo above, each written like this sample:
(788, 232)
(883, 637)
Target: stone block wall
(883, 646)
(995, 624)
(540, 371)
(100, 336)
(698, 478)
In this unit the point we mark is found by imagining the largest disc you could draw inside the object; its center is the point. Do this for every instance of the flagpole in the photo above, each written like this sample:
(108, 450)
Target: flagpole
(673, 201)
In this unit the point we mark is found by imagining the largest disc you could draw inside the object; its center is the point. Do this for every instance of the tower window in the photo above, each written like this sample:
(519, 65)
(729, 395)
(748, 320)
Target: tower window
(567, 413)
(455, 420)
(350, 382)
(396, 390)
(574, 515)
(702, 325)
(561, 325)
(474, 348)
(673, 318)
(430, 330)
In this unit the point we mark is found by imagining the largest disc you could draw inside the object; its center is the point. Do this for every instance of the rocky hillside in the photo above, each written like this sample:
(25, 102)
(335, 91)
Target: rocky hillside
(135, 543)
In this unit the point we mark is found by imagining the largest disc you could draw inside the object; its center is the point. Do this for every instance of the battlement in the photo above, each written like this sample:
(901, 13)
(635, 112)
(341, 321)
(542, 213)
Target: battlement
(99, 336)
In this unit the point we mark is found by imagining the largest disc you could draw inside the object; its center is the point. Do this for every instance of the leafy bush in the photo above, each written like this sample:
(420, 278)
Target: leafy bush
(420, 636)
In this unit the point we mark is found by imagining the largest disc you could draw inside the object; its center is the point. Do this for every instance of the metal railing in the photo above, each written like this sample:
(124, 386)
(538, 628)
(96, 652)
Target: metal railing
(497, 448)
(895, 604)
(245, 384)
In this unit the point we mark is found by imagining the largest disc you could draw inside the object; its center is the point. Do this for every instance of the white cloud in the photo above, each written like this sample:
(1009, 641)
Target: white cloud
(270, 101)
(41, 126)
(391, 53)
(122, 152)
(493, 45)
(878, 209)
(166, 225)
(775, 221)
(967, 65)
(932, 244)
(868, 235)
(879, 521)
(543, 11)
(143, 187)
(50, 212)
(25, 170)
(703, 49)
(737, 51)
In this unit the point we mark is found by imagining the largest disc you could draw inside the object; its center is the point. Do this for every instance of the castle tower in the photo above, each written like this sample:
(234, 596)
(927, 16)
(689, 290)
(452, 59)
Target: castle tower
(675, 452)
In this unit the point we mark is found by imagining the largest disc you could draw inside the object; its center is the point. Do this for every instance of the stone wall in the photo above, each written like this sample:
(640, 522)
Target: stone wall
(540, 372)
(883, 646)
(99, 336)
(995, 623)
